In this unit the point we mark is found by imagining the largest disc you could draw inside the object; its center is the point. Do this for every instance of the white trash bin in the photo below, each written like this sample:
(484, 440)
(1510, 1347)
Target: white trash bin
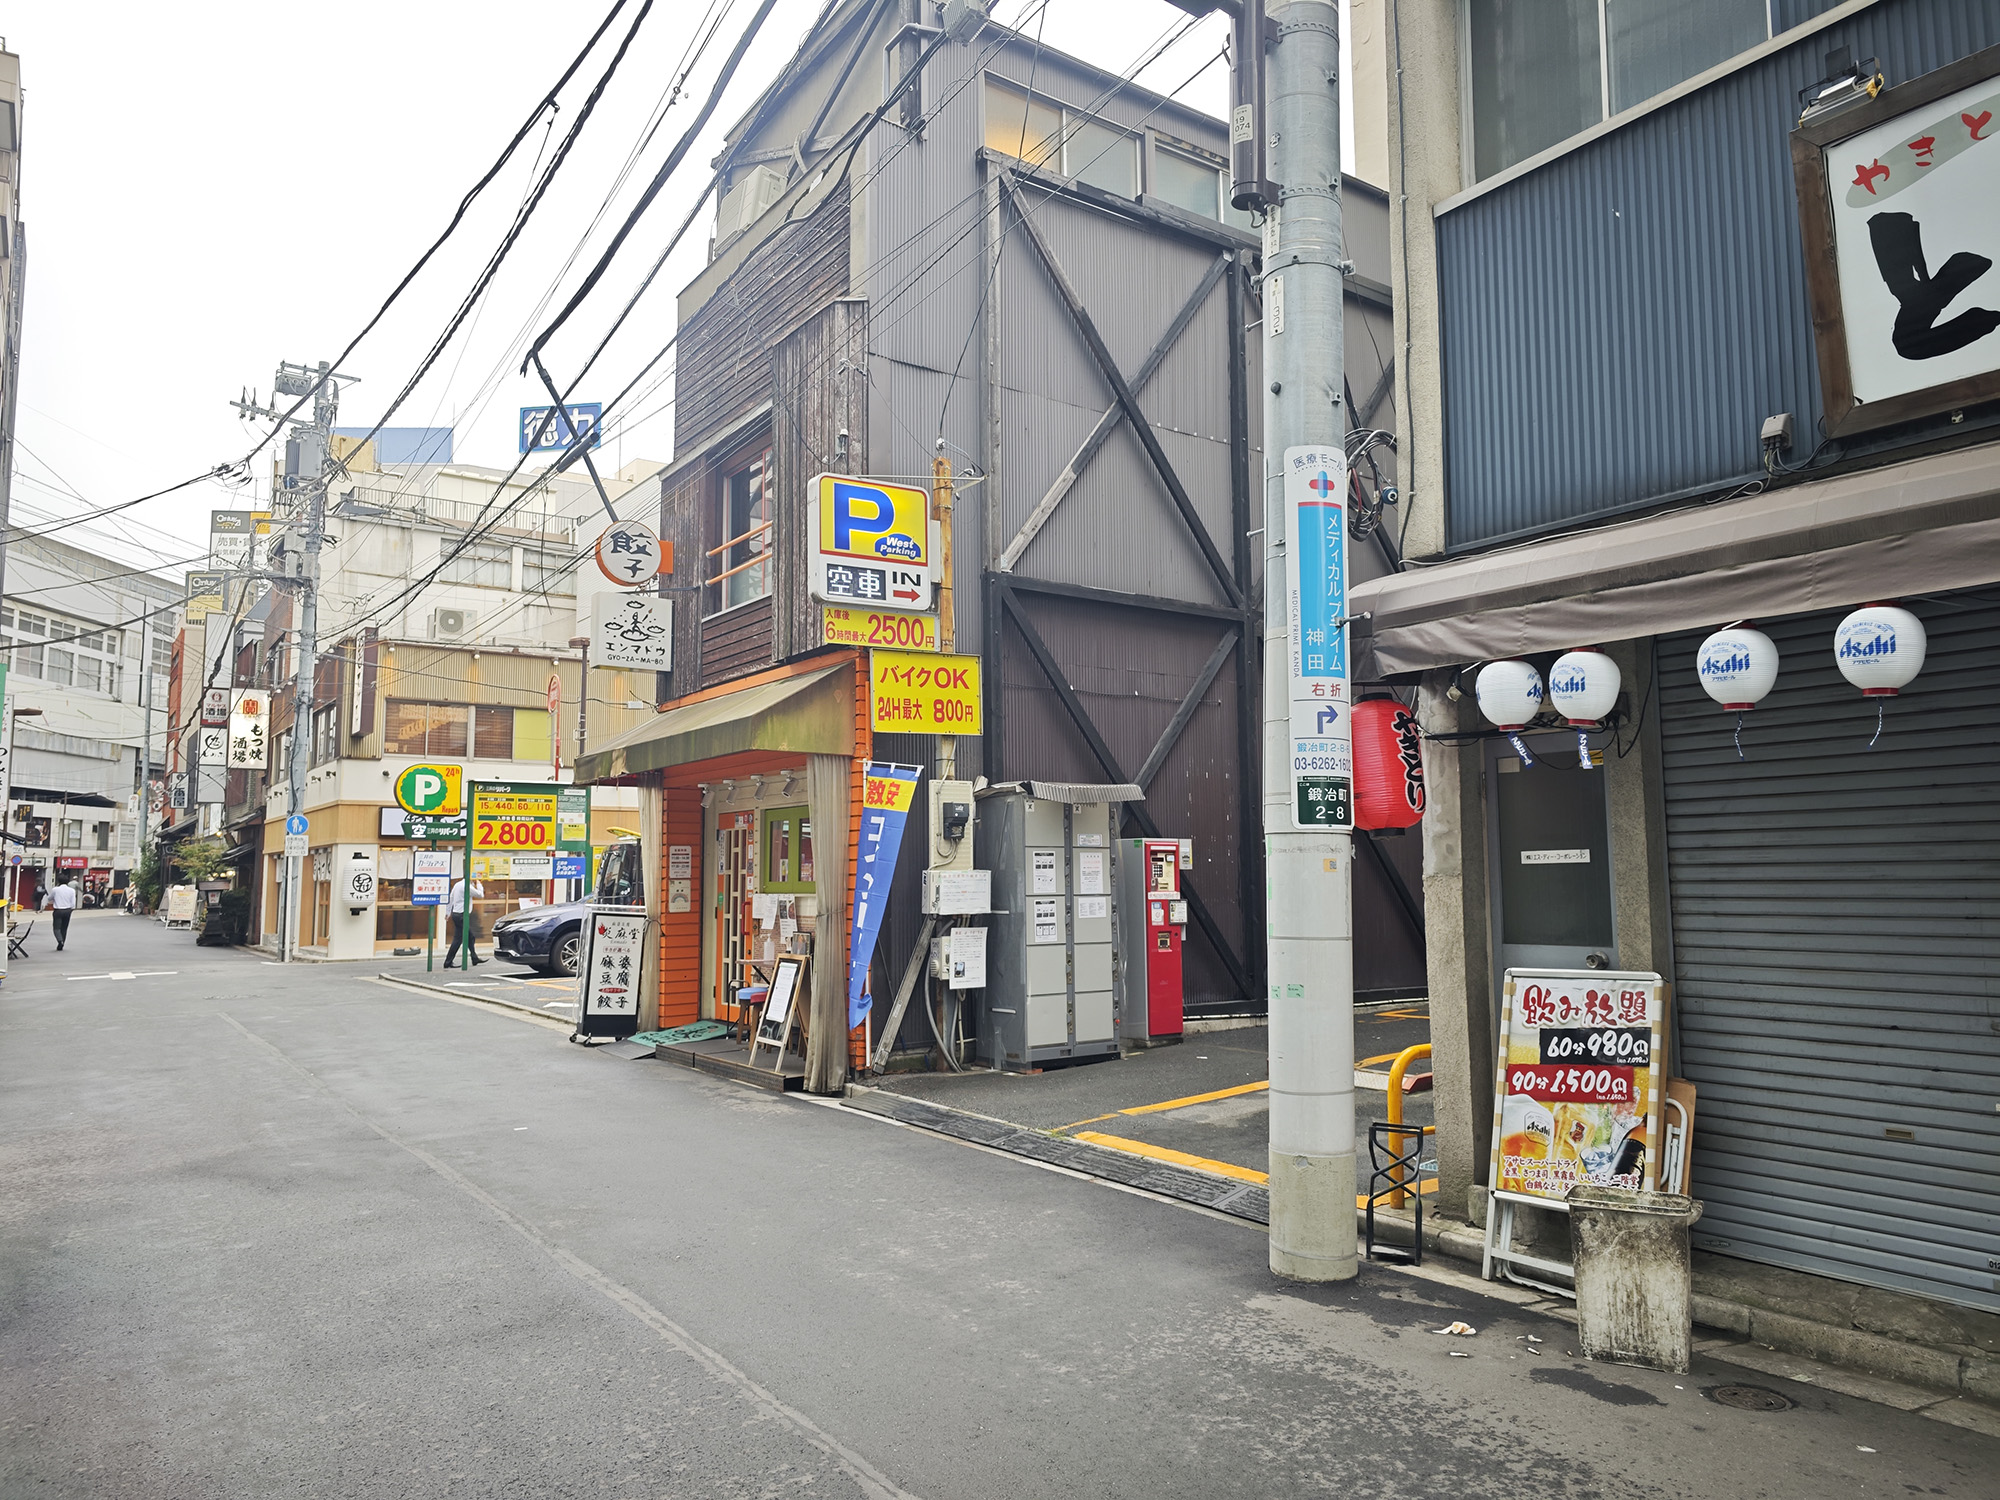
(1630, 1253)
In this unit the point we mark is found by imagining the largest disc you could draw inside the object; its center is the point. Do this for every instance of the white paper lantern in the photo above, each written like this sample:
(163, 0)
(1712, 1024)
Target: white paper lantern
(1880, 649)
(1737, 666)
(1509, 693)
(1583, 686)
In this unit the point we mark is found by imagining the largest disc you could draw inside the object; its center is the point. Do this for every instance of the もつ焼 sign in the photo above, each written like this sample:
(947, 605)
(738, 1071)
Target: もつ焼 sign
(1577, 1099)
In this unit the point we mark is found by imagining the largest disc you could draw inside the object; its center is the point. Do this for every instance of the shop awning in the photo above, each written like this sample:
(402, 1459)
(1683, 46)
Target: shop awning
(807, 715)
(1920, 527)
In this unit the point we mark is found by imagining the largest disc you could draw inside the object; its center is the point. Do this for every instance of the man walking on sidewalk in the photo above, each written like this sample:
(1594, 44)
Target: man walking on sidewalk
(61, 902)
(464, 925)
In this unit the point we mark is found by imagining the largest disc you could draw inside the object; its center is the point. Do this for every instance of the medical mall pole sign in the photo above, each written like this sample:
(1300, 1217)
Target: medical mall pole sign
(1316, 637)
(1577, 1098)
(431, 791)
(1899, 207)
(871, 544)
(887, 794)
(911, 692)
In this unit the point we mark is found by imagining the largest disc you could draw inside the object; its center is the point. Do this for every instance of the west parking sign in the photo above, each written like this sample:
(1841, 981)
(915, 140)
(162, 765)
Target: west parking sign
(873, 544)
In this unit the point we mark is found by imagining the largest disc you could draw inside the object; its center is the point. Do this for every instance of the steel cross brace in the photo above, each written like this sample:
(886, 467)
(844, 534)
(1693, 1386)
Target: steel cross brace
(1142, 429)
(1080, 717)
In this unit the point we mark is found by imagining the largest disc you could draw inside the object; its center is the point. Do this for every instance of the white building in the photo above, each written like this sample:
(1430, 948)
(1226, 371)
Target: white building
(79, 633)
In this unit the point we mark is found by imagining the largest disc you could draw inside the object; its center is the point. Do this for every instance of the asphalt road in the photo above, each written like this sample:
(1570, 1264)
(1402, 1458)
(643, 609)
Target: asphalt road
(298, 1233)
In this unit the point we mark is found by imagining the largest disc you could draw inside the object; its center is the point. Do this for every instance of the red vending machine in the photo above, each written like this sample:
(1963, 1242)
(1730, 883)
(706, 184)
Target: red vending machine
(1152, 928)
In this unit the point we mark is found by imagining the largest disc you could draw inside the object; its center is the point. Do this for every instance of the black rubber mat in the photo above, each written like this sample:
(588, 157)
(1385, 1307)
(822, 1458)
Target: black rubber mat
(1244, 1200)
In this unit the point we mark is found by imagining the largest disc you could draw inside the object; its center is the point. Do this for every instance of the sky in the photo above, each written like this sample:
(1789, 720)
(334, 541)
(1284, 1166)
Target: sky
(211, 188)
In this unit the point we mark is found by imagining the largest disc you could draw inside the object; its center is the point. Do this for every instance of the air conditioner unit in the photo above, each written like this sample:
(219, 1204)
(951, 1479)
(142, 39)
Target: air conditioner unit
(452, 624)
(748, 201)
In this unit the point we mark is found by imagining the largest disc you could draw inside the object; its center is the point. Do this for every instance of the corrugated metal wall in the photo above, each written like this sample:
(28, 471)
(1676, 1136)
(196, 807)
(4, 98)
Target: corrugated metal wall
(1838, 958)
(1617, 325)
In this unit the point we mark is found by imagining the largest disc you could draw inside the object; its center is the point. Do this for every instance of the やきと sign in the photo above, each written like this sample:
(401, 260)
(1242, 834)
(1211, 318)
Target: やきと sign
(911, 692)
(1578, 1095)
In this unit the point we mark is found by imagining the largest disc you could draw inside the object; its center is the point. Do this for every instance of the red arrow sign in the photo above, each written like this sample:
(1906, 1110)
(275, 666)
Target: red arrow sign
(902, 593)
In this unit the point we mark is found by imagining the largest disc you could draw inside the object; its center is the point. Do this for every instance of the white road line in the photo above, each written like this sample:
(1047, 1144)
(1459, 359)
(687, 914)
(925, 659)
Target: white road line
(125, 974)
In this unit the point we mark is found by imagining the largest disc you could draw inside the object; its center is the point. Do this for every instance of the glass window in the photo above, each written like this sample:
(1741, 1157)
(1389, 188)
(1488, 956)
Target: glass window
(488, 564)
(1537, 72)
(425, 729)
(90, 673)
(61, 665)
(548, 572)
(163, 656)
(27, 660)
(1534, 76)
(72, 833)
(325, 735)
(1019, 126)
(1101, 156)
(33, 624)
(788, 862)
(531, 734)
(61, 630)
(1656, 44)
(745, 571)
(1187, 182)
(493, 733)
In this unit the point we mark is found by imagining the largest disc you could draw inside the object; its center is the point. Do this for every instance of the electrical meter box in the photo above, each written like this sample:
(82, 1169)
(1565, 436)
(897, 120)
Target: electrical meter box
(1152, 931)
(1050, 991)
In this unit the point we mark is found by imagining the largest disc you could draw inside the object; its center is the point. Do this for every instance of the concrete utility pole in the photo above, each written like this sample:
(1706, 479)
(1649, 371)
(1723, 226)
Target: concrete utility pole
(307, 470)
(1307, 771)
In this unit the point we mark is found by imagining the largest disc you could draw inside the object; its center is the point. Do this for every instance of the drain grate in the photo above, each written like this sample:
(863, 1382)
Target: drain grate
(1750, 1398)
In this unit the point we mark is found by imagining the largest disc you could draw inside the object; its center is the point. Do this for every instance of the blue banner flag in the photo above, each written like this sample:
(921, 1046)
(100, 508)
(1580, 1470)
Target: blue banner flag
(887, 792)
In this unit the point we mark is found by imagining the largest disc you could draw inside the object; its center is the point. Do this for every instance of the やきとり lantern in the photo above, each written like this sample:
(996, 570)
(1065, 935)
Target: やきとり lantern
(1583, 688)
(1510, 695)
(1880, 649)
(1737, 666)
(1388, 765)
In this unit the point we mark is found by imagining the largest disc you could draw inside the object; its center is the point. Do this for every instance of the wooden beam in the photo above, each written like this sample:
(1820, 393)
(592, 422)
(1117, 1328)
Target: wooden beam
(1143, 429)
(1398, 887)
(1108, 423)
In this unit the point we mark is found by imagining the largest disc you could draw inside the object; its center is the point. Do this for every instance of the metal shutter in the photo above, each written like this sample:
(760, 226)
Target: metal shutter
(1836, 918)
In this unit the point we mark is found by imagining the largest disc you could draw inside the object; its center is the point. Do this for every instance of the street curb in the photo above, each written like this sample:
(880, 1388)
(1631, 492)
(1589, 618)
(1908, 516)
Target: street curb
(423, 988)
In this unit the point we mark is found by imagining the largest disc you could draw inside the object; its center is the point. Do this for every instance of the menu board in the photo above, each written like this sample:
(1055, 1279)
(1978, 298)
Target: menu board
(1577, 1098)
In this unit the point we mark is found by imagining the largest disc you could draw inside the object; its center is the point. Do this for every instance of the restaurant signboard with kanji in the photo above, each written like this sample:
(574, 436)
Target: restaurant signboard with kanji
(1899, 203)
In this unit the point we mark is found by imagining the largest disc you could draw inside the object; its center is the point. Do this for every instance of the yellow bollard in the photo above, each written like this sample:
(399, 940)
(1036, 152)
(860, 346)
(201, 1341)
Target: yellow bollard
(1396, 1070)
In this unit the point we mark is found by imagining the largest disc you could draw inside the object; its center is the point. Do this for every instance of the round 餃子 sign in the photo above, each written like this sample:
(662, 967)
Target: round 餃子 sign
(629, 554)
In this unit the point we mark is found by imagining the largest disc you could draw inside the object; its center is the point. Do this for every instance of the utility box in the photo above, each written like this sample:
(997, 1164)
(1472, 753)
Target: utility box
(1051, 992)
(1152, 931)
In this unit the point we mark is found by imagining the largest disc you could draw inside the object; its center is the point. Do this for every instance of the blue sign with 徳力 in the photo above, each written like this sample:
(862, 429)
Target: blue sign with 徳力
(543, 431)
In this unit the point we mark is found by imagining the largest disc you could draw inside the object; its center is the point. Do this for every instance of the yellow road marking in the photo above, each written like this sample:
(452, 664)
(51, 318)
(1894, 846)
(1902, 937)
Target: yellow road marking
(1206, 1164)
(1178, 1158)
(1153, 1109)
(1369, 1062)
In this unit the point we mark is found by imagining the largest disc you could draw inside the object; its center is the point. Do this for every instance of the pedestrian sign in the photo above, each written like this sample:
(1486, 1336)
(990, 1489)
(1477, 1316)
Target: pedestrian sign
(296, 823)
(430, 791)
(873, 544)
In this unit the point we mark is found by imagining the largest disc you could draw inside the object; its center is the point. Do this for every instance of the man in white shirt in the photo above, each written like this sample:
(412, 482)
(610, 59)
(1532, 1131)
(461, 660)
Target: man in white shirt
(463, 928)
(61, 902)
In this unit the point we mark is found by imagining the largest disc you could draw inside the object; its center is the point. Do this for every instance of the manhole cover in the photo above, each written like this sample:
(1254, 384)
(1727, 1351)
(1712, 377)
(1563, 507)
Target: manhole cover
(1750, 1398)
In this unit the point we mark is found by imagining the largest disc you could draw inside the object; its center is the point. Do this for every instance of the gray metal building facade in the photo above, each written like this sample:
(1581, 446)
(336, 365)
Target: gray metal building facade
(925, 292)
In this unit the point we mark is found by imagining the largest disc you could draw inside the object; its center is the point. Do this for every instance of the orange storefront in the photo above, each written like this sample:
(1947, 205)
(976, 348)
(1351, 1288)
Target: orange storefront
(755, 779)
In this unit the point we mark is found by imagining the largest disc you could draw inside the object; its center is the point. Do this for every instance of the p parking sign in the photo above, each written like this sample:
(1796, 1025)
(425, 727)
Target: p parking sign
(872, 544)
(431, 791)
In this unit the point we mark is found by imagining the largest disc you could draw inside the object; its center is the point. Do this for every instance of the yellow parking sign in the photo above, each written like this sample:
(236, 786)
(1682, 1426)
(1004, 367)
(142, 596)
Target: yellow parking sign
(913, 692)
(873, 545)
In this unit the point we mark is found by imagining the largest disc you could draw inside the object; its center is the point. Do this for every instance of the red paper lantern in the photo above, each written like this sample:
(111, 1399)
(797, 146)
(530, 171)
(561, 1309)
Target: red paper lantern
(1388, 765)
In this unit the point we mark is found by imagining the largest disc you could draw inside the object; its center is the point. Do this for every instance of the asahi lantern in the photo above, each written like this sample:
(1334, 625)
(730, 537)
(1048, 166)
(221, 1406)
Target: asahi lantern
(1583, 688)
(1510, 695)
(1880, 649)
(1388, 765)
(1737, 666)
